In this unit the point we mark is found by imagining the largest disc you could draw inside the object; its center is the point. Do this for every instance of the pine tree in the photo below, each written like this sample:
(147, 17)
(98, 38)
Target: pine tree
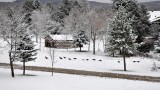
(157, 45)
(81, 39)
(130, 5)
(121, 33)
(26, 50)
(142, 27)
(64, 10)
(37, 5)
(140, 22)
(29, 5)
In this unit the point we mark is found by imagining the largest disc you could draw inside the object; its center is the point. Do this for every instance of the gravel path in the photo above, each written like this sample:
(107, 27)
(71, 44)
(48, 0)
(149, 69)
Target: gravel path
(86, 73)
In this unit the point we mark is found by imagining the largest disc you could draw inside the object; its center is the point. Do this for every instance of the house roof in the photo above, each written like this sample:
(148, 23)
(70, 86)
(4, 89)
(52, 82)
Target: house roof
(62, 37)
(154, 15)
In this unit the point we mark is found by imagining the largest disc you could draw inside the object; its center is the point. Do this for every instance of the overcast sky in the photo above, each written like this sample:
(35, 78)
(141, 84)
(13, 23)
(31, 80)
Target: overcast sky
(7, 0)
(105, 1)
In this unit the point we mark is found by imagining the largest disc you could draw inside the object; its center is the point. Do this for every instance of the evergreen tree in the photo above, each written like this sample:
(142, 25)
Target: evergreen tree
(140, 22)
(142, 27)
(64, 10)
(26, 50)
(81, 39)
(130, 5)
(29, 5)
(121, 33)
(37, 5)
(157, 45)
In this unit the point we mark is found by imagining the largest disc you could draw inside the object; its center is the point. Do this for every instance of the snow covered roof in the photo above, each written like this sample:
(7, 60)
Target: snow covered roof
(155, 15)
(61, 37)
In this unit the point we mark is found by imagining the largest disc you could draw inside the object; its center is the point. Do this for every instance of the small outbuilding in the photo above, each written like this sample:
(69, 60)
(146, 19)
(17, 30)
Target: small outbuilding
(59, 41)
(155, 22)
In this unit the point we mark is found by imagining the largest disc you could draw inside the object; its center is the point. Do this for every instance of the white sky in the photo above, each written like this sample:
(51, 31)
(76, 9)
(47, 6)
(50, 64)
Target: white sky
(7, 0)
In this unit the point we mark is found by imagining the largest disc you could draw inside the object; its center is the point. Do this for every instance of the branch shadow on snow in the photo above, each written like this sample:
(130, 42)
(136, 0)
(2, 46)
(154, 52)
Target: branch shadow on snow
(30, 75)
(121, 70)
(80, 51)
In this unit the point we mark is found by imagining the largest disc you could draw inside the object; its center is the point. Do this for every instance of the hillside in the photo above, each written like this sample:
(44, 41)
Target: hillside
(152, 6)
(42, 1)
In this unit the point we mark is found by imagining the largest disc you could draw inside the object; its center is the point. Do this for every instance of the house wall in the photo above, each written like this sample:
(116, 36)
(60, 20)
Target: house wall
(156, 28)
(49, 44)
(61, 44)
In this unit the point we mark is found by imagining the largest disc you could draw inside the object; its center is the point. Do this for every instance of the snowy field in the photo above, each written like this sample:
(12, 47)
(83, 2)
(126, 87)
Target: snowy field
(44, 81)
(72, 59)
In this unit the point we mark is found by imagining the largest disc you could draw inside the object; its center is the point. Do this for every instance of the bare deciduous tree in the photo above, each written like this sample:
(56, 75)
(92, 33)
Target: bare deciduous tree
(96, 21)
(12, 23)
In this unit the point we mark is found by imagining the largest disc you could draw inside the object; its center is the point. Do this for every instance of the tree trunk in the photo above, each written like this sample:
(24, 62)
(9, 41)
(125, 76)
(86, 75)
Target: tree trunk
(40, 42)
(24, 68)
(80, 49)
(113, 54)
(124, 60)
(94, 47)
(52, 57)
(89, 45)
(11, 65)
(52, 67)
(104, 46)
(37, 38)
(99, 45)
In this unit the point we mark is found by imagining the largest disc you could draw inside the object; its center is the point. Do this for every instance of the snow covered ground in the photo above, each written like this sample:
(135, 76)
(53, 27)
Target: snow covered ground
(85, 61)
(44, 81)
(154, 15)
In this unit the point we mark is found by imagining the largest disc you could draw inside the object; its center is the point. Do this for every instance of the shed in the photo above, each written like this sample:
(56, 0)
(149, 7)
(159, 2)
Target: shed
(155, 21)
(59, 41)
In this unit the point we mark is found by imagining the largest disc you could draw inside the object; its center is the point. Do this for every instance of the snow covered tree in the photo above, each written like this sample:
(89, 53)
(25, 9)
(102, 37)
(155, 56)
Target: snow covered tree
(7, 32)
(142, 27)
(51, 52)
(26, 49)
(96, 22)
(39, 21)
(76, 24)
(42, 24)
(140, 22)
(31, 5)
(122, 34)
(130, 5)
(64, 10)
(157, 45)
(28, 7)
(81, 39)
(37, 5)
(13, 22)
